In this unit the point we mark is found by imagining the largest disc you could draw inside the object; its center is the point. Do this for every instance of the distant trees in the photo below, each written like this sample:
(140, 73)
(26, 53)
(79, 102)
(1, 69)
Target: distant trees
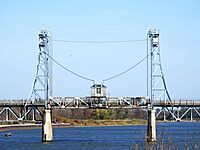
(99, 114)
(103, 114)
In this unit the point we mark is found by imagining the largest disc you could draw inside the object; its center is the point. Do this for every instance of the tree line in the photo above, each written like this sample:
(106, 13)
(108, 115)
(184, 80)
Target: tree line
(99, 114)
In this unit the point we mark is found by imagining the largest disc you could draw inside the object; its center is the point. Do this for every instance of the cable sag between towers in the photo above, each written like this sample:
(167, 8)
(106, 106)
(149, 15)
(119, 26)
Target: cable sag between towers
(127, 70)
(99, 42)
(76, 74)
(107, 79)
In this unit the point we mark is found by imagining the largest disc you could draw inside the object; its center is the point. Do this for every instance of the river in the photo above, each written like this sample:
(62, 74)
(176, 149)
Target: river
(179, 135)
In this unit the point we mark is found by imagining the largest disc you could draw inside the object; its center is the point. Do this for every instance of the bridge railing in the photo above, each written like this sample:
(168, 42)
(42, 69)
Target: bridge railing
(12, 102)
(177, 103)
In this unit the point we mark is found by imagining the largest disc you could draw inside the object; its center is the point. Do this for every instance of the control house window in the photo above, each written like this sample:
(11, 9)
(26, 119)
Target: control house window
(98, 90)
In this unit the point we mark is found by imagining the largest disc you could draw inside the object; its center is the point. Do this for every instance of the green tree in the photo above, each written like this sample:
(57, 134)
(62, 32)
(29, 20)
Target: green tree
(104, 114)
(96, 114)
(112, 113)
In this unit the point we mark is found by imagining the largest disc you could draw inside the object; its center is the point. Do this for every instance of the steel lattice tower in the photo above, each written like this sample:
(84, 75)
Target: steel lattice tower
(42, 84)
(156, 86)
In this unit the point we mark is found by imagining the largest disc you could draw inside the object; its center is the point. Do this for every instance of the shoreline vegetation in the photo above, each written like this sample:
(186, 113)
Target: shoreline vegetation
(70, 123)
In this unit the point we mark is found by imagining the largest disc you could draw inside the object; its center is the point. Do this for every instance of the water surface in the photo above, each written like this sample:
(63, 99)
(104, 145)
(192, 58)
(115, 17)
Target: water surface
(179, 135)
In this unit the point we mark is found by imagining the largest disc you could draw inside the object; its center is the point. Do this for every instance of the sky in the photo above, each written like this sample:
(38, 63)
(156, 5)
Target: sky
(100, 20)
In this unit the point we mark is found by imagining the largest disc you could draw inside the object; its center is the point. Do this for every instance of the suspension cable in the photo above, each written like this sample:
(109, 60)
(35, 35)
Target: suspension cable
(115, 76)
(78, 75)
(100, 42)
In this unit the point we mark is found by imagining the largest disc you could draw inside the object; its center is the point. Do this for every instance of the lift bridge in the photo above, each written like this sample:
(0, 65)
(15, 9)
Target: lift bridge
(41, 96)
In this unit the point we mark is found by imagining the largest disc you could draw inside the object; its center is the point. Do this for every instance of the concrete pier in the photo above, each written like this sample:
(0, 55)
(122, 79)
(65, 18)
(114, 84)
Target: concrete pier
(47, 135)
(151, 126)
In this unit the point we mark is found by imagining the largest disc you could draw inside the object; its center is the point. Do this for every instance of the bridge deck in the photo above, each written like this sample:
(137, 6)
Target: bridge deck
(111, 102)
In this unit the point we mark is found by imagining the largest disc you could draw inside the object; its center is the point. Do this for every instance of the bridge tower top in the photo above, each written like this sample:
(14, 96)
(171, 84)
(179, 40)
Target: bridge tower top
(154, 37)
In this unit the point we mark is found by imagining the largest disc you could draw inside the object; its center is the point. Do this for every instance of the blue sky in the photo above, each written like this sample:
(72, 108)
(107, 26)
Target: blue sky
(178, 21)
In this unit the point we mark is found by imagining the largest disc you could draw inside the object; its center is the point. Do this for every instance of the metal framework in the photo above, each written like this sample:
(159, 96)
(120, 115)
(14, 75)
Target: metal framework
(157, 85)
(41, 95)
(42, 85)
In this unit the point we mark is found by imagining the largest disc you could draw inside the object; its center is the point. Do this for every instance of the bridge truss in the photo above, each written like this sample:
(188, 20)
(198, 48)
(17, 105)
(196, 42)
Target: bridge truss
(14, 110)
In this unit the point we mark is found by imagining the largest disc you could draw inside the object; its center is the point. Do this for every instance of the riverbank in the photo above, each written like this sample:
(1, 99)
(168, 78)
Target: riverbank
(19, 127)
(72, 123)
(88, 122)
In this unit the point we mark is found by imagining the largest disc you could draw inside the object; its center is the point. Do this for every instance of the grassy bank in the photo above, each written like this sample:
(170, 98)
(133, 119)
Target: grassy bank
(88, 122)
(69, 123)
(83, 122)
